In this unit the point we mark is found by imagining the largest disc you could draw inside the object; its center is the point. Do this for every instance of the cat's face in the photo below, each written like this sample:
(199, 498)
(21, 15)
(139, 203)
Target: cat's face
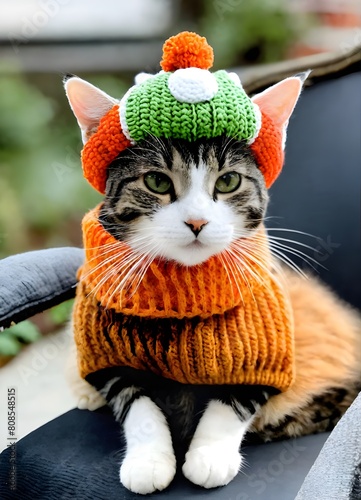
(175, 199)
(184, 201)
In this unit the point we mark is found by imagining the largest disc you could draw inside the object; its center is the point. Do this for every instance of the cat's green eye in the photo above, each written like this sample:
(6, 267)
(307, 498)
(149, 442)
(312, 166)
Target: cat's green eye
(228, 182)
(158, 183)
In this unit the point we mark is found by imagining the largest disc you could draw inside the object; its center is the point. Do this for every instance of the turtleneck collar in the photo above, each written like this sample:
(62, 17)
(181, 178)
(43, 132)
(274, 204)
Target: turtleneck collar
(167, 289)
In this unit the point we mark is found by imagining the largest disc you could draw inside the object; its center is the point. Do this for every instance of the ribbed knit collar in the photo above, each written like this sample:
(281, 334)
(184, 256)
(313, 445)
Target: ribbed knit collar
(167, 289)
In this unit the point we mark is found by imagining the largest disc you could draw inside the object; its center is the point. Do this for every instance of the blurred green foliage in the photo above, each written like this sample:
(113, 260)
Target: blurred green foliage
(61, 313)
(41, 183)
(249, 31)
(13, 339)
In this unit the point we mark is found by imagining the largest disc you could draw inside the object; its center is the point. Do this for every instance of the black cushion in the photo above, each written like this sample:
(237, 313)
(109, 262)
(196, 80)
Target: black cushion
(78, 455)
(318, 191)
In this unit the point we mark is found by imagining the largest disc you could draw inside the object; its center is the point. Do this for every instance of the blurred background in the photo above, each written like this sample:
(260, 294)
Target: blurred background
(43, 194)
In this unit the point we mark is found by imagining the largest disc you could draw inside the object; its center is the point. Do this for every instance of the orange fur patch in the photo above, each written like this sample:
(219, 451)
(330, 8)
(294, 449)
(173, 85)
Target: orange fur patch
(327, 348)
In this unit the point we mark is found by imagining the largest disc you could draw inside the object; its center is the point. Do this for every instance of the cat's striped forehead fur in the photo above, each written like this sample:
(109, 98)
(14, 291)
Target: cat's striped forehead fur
(161, 224)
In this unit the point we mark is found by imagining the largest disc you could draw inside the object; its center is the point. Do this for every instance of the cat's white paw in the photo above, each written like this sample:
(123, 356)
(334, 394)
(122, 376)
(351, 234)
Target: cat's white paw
(87, 396)
(91, 401)
(147, 471)
(211, 466)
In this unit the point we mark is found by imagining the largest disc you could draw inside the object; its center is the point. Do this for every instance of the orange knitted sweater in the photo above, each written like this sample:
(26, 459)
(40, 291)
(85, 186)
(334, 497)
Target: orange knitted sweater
(203, 324)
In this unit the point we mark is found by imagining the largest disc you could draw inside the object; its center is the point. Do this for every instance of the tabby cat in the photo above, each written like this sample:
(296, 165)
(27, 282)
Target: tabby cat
(185, 202)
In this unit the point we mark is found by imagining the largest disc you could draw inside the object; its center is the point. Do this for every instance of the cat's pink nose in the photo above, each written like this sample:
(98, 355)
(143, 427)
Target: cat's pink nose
(196, 225)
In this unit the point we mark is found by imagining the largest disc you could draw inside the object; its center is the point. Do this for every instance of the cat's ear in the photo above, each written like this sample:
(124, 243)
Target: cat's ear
(89, 104)
(279, 101)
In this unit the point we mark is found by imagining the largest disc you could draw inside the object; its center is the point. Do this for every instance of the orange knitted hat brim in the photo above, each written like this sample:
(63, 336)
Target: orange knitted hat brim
(102, 148)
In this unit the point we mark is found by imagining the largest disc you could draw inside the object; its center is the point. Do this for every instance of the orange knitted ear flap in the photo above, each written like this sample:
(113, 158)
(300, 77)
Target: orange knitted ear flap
(98, 117)
(267, 150)
(102, 148)
(276, 104)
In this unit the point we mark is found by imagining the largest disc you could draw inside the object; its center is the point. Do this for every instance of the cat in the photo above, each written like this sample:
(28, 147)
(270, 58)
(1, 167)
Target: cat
(185, 202)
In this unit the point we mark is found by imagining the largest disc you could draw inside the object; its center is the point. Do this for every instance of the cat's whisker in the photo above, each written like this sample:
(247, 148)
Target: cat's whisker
(278, 238)
(249, 261)
(281, 246)
(143, 262)
(125, 259)
(278, 254)
(122, 251)
(227, 142)
(221, 258)
(240, 258)
(100, 265)
(293, 231)
(297, 253)
(246, 253)
(273, 242)
(121, 266)
(261, 259)
(232, 270)
(259, 250)
(121, 255)
(141, 274)
(127, 251)
(136, 275)
(112, 245)
(107, 274)
(124, 265)
(159, 142)
(238, 264)
(120, 282)
(141, 238)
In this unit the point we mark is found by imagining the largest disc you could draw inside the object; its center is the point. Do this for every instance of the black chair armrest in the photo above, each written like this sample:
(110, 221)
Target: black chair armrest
(34, 281)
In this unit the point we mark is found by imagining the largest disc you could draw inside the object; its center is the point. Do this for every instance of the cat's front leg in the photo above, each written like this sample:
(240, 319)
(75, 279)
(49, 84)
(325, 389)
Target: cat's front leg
(149, 463)
(213, 458)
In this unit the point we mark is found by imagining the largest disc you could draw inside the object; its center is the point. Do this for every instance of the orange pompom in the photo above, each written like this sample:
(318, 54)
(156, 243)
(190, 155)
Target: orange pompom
(186, 50)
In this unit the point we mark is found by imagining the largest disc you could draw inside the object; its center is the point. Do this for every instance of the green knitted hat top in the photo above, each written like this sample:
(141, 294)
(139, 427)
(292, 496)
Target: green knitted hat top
(150, 108)
(190, 102)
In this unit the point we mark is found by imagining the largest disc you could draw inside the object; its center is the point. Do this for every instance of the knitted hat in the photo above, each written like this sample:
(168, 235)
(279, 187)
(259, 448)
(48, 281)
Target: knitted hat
(187, 101)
